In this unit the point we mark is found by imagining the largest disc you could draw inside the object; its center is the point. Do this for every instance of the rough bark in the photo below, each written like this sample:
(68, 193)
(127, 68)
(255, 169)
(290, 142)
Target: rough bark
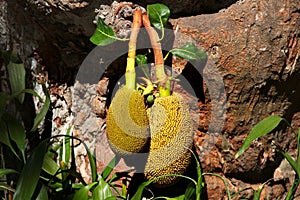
(254, 46)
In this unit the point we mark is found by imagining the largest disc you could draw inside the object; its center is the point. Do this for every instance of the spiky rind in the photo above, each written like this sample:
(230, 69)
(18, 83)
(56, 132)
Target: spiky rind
(127, 122)
(172, 132)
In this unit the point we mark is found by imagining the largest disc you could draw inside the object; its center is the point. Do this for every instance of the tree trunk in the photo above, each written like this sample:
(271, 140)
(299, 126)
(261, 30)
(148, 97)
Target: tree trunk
(253, 49)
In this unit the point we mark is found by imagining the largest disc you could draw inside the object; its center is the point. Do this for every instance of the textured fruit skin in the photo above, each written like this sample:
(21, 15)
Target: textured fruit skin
(127, 123)
(172, 133)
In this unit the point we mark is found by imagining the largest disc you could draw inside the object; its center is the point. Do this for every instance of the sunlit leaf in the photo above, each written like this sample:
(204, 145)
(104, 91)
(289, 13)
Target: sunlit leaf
(92, 162)
(16, 73)
(103, 35)
(83, 193)
(41, 115)
(30, 174)
(108, 169)
(190, 52)
(50, 166)
(158, 15)
(262, 128)
(16, 133)
(102, 190)
(139, 192)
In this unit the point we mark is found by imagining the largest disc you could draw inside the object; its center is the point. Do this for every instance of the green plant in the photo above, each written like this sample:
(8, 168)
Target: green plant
(193, 191)
(266, 126)
(14, 135)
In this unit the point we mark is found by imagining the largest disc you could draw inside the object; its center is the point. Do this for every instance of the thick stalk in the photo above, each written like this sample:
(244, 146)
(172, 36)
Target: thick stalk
(163, 81)
(130, 68)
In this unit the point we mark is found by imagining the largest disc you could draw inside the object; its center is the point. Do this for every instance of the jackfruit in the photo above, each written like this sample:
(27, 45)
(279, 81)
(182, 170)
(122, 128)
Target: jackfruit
(127, 123)
(171, 131)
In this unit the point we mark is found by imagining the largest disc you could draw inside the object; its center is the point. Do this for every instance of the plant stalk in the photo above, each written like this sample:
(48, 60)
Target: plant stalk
(163, 81)
(130, 68)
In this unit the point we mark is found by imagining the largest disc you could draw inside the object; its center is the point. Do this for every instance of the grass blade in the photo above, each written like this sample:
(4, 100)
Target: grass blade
(108, 169)
(262, 128)
(31, 173)
(4, 172)
(4, 137)
(16, 133)
(41, 115)
(16, 73)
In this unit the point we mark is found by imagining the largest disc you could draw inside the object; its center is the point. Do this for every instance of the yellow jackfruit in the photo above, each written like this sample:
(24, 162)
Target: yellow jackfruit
(171, 132)
(127, 123)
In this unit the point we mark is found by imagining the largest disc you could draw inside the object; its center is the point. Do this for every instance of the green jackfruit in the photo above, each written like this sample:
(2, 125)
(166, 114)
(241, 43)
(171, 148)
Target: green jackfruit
(171, 129)
(127, 123)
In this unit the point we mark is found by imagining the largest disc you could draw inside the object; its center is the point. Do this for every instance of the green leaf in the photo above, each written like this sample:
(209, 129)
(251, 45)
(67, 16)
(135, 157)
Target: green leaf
(43, 194)
(41, 115)
(141, 59)
(30, 175)
(103, 34)
(158, 15)
(108, 169)
(65, 150)
(262, 128)
(102, 191)
(83, 193)
(4, 172)
(16, 73)
(139, 192)
(190, 52)
(190, 192)
(50, 166)
(92, 162)
(289, 159)
(16, 133)
(4, 137)
(111, 198)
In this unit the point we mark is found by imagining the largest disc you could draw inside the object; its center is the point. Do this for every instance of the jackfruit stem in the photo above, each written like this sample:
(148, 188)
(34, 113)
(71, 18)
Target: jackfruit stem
(163, 81)
(130, 67)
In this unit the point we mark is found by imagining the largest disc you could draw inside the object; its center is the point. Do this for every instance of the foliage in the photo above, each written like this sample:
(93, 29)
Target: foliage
(264, 127)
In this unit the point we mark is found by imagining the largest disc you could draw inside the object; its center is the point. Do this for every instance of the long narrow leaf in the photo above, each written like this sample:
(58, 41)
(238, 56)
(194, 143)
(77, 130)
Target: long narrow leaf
(31, 173)
(289, 159)
(41, 115)
(4, 137)
(92, 163)
(190, 192)
(4, 172)
(262, 128)
(16, 133)
(83, 193)
(108, 169)
(43, 194)
(16, 73)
